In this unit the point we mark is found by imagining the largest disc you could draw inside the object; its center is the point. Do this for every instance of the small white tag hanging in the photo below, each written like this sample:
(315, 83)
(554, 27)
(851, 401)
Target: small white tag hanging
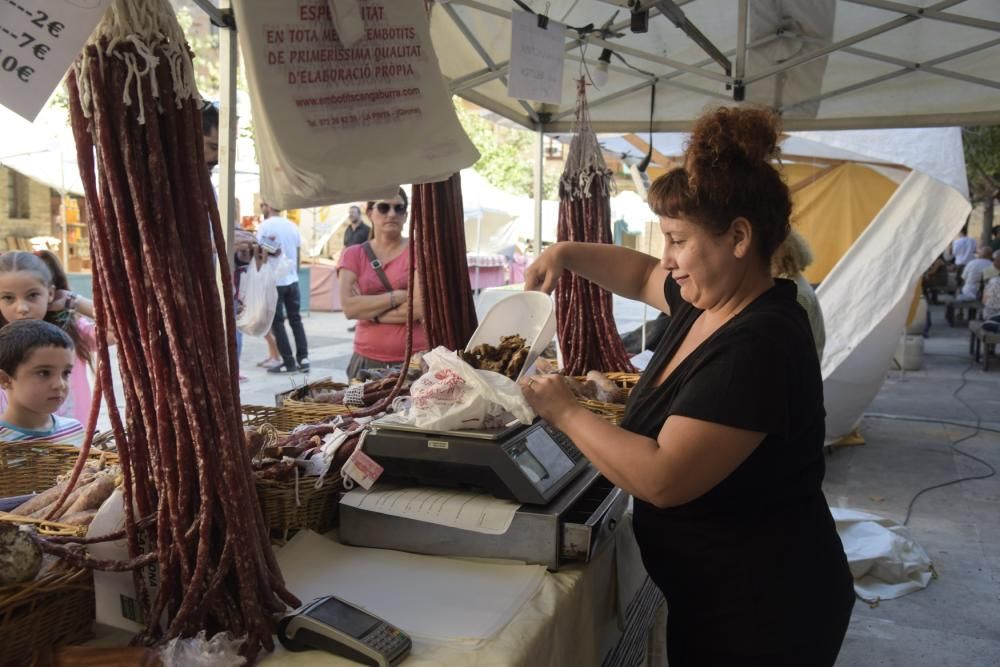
(537, 56)
(362, 469)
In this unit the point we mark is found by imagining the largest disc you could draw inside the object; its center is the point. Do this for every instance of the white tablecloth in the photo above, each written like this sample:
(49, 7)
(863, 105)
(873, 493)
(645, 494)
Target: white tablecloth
(576, 619)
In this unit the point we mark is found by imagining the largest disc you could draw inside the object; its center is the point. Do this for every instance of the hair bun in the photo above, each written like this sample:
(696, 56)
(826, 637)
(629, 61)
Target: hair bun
(733, 136)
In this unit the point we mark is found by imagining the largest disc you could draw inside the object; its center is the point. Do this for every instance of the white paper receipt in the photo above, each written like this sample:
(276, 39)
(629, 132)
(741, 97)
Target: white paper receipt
(466, 510)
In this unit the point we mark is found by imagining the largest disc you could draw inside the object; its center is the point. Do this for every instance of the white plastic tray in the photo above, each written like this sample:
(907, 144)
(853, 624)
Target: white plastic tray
(531, 315)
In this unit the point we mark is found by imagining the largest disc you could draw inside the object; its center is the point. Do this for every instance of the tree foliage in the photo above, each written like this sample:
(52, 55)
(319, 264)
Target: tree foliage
(982, 159)
(506, 155)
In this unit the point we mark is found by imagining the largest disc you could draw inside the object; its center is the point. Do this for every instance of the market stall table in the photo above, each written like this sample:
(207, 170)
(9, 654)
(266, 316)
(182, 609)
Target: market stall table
(487, 270)
(324, 288)
(600, 613)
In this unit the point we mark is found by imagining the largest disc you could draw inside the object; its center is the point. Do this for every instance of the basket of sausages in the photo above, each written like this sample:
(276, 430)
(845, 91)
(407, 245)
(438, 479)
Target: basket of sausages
(44, 602)
(604, 394)
(297, 471)
(326, 398)
(27, 467)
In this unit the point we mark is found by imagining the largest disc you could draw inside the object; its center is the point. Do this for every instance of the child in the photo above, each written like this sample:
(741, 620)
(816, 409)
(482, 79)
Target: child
(36, 363)
(33, 286)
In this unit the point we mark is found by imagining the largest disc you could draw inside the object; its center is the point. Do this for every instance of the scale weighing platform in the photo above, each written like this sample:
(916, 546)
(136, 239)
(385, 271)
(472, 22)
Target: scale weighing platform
(569, 510)
(529, 464)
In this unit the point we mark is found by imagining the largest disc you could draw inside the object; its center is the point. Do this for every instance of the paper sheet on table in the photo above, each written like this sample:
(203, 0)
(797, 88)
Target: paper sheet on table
(434, 599)
(467, 510)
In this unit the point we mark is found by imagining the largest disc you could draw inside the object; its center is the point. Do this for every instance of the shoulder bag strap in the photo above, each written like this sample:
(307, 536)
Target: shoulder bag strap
(376, 265)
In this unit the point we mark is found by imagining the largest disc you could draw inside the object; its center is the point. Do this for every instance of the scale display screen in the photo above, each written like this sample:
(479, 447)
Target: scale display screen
(344, 617)
(541, 459)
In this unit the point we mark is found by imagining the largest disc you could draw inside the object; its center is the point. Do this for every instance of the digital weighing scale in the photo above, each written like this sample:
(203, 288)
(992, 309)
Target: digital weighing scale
(529, 464)
(571, 528)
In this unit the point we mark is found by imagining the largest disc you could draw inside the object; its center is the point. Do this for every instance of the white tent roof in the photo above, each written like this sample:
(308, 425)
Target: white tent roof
(935, 151)
(43, 151)
(824, 64)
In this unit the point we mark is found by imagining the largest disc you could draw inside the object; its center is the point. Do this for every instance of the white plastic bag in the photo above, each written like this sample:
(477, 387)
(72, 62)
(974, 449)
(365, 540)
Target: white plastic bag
(257, 299)
(453, 395)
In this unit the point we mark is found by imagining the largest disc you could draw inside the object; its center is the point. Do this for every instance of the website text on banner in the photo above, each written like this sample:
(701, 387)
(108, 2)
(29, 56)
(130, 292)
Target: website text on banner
(347, 118)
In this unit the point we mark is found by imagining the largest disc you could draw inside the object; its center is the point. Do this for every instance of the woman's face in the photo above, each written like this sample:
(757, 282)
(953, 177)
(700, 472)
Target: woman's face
(702, 263)
(388, 216)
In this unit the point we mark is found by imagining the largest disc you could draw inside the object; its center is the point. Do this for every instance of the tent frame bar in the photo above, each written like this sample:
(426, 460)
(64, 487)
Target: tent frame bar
(484, 76)
(849, 41)
(929, 67)
(490, 64)
(929, 13)
(907, 69)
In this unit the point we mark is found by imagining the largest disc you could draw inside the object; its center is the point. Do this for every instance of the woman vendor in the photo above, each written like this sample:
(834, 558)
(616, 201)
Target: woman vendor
(373, 290)
(721, 442)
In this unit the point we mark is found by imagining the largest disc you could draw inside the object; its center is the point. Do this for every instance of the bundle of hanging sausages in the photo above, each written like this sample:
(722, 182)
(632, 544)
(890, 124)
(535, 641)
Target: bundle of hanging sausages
(187, 479)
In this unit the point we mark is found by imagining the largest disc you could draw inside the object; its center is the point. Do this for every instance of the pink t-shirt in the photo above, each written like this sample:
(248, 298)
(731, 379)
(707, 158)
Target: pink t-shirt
(382, 342)
(77, 405)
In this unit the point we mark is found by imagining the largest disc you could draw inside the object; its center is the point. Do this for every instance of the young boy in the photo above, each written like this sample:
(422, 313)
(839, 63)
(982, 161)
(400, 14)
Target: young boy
(36, 360)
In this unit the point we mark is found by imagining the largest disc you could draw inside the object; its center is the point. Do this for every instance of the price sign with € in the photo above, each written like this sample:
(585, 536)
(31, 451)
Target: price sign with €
(39, 40)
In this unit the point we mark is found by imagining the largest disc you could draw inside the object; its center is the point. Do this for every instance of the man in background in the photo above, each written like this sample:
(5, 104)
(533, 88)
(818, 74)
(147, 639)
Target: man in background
(963, 249)
(280, 237)
(357, 231)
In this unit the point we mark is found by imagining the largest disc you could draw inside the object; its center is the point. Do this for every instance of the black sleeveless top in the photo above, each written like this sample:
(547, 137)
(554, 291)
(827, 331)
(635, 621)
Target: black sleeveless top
(740, 563)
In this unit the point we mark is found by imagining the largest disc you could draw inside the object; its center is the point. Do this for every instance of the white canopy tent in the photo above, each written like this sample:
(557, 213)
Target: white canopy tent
(936, 151)
(823, 64)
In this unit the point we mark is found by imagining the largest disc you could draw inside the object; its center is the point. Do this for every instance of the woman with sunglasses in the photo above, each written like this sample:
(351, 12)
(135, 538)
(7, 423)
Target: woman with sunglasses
(373, 290)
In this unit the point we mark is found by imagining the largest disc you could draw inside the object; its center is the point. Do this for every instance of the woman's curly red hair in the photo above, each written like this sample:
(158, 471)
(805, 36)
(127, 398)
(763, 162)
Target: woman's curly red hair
(727, 174)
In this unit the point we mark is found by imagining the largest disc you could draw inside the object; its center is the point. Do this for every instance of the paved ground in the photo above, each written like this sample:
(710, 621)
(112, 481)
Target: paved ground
(956, 621)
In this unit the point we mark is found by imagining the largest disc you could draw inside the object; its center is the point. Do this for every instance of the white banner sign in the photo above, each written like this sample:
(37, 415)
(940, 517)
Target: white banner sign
(39, 40)
(338, 123)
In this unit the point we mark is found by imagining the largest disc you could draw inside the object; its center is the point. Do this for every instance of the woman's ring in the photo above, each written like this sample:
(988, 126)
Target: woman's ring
(531, 381)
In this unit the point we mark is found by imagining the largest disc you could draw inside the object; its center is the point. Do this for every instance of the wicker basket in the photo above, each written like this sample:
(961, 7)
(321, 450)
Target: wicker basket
(297, 399)
(285, 420)
(34, 466)
(55, 609)
(612, 412)
(297, 505)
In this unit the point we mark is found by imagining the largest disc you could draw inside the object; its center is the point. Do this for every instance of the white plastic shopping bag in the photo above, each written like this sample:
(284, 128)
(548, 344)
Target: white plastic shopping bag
(257, 299)
(453, 395)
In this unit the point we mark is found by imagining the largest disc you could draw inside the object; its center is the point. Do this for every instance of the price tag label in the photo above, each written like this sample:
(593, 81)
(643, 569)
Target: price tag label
(362, 469)
(39, 40)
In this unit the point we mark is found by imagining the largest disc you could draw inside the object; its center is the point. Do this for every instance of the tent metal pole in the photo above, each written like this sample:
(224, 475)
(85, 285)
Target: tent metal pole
(228, 65)
(900, 72)
(218, 15)
(928, 67)
(538, 189)
(739, 90)
(928, 13)
(660, 60)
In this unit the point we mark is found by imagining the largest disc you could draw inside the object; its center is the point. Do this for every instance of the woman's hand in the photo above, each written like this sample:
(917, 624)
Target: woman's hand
(60, 301)
(550, 397)
(543, 274)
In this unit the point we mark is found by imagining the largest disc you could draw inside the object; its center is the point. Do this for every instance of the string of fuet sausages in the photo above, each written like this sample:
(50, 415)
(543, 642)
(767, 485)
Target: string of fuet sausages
(189, 498)
(588, 336)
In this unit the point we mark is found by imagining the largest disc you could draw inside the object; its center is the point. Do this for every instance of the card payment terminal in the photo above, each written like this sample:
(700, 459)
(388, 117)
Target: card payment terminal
(330, 624)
